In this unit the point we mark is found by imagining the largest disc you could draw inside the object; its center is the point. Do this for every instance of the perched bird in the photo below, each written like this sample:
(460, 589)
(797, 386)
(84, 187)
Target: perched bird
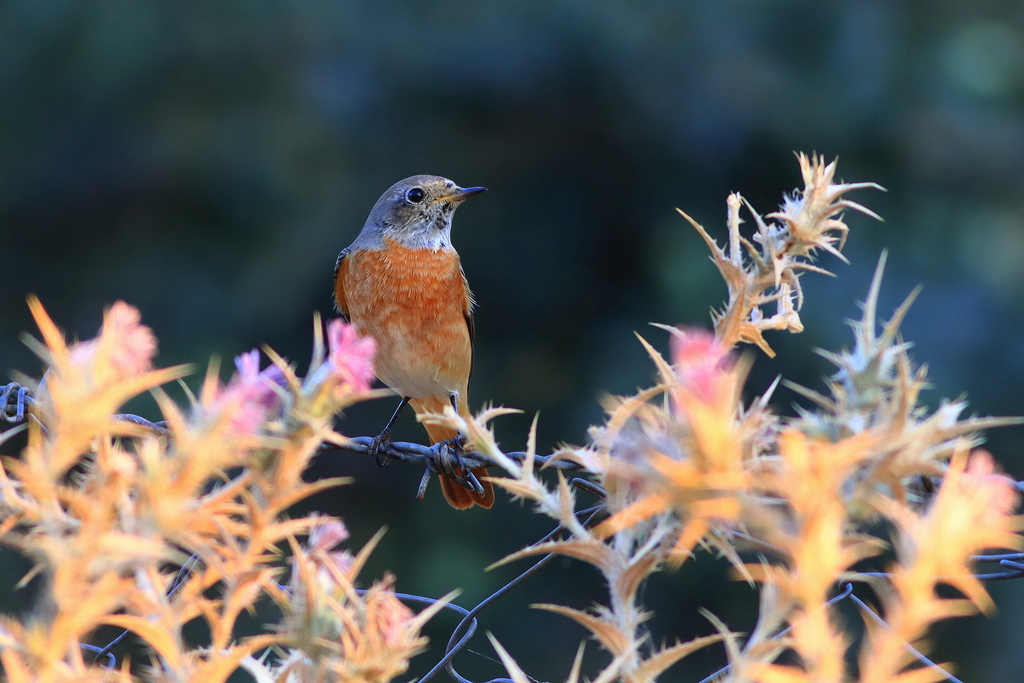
(401, 283)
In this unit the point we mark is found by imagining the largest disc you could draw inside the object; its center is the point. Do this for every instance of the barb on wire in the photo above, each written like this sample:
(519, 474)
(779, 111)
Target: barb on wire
(14, 401)
(433, 457)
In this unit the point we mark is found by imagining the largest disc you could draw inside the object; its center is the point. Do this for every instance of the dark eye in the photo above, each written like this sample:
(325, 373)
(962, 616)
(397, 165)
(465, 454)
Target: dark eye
(415, 195)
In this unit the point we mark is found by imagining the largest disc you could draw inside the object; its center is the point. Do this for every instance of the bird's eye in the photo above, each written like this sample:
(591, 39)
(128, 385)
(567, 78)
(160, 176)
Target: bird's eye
(415, 195)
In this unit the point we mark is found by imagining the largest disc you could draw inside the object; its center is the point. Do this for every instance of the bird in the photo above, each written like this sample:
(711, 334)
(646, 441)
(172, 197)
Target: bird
(401, 282)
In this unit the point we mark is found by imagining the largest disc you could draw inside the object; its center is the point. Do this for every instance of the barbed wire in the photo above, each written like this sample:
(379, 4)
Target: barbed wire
(439, 458)
(16, 400)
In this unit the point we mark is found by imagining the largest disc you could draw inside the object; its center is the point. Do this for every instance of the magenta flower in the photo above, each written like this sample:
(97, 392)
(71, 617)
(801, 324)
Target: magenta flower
(351, 355)
(250, 395)
(262, 383)
(699, 365)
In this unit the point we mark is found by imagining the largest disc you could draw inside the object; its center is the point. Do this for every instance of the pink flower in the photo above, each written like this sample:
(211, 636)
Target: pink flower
(324, 537)
(130, 344)
(392, 619)
(351, 355)
(982, 477)
(261, 383)
(700, 367)
(250, 395)
(327, 535)
(123, 349)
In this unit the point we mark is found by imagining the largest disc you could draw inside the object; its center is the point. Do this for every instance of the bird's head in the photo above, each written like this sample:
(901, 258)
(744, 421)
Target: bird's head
(417, 212)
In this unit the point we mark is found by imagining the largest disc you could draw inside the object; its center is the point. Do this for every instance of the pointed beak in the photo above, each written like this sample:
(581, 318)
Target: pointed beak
(462, 194)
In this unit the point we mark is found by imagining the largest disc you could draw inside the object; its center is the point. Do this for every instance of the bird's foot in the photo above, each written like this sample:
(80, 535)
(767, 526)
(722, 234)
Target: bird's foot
(452, 465)
(379, 448)
(457, 444)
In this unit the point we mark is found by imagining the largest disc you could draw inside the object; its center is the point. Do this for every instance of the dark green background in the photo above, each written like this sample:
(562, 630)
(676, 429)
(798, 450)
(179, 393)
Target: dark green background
(207, 160)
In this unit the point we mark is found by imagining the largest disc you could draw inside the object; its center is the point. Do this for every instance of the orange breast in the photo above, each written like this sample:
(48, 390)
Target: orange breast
(414, 302)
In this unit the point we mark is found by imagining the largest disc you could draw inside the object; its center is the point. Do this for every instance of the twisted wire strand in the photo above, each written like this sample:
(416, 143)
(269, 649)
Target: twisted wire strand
(439, 458)
(14, 401)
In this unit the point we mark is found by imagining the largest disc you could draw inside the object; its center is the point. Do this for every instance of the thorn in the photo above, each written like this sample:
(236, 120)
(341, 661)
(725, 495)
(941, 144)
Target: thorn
(421, 490)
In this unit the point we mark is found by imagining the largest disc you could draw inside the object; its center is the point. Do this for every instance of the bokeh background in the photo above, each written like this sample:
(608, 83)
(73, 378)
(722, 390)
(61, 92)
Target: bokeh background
(206, 160)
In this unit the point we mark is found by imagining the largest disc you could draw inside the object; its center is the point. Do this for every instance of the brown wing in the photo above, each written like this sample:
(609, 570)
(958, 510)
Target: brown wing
(340, 301)
(470, 322)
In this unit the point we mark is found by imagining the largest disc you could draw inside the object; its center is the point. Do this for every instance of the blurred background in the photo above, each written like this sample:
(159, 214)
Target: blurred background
(206, 161)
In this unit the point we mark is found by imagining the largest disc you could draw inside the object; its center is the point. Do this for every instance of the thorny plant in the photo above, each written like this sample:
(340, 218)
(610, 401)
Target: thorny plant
(686, 464)
(111, 513)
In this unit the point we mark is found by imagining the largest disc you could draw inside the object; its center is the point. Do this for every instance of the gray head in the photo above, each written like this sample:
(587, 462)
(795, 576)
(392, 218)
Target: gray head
(415, 212)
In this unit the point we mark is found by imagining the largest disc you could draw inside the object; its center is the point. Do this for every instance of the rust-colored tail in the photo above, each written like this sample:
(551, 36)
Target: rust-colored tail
(458, 497)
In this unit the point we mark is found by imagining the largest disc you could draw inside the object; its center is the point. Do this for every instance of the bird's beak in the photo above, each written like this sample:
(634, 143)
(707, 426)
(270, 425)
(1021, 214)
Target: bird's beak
(462, 194)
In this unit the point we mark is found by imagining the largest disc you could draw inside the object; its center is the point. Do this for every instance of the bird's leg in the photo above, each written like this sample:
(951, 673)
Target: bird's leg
(457, 444)
(380, 443)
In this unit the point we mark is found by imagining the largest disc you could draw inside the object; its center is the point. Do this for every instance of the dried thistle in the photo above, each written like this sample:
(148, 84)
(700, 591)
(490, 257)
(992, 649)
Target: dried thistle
(876, 389)
(817, 543)
(768, 272)
(972, 510)
(149, 532)
(687, 459)
(331, 630)
(686, 464)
